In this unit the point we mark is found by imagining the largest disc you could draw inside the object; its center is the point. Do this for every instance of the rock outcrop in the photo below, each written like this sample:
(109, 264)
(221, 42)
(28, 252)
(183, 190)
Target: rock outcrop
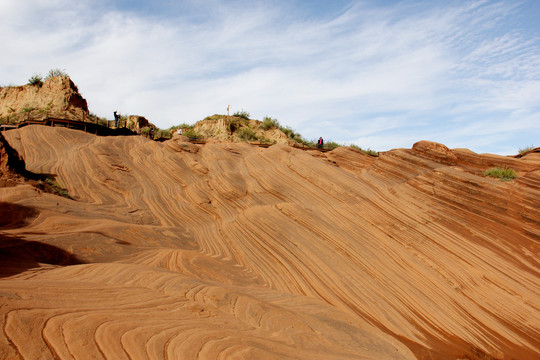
(57, 97)
(226, 250)
(232, 128)
(136, 123)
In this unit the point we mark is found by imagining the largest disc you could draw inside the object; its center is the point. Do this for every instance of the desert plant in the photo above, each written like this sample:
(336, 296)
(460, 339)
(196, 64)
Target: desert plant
(181, 126)
(9, 119)
(269, 123)
(331, 145)
(311, 143)
(54, 187)
(505, 174)
(214, 117)
(163, 134)
(191, 134)
(36, 80)
(242, 114)
(265, 140)
(287, 131)
(368, 151)
(56, 72)
(246, 133)
(299, 139)
(293, 135)
(236, 123)
(524, 150)
(96, 119)
(145, 131)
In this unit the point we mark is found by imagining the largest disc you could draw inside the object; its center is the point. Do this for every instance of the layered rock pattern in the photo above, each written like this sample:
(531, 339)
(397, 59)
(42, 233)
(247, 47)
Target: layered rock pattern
(172, 250)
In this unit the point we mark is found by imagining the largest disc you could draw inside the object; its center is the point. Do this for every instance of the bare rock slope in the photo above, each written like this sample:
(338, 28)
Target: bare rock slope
(227, 251)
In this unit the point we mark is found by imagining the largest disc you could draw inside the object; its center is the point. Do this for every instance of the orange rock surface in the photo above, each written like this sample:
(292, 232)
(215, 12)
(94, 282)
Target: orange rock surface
(229, 251)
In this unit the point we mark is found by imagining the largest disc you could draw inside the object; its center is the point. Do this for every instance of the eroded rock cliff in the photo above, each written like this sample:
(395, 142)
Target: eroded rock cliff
(58, 96)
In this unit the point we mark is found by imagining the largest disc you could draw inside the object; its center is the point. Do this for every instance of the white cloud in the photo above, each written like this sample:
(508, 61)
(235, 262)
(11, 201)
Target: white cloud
(381, 75)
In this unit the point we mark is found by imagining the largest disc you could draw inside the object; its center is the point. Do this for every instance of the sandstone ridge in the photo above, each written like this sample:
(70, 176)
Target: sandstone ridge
(226, 250)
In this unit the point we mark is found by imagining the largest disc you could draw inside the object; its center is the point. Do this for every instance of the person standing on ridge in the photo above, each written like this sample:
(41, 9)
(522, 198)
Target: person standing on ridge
(116, 118)
(320, 143)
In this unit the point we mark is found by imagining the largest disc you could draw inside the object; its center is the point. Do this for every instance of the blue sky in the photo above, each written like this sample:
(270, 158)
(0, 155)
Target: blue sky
(379, 74)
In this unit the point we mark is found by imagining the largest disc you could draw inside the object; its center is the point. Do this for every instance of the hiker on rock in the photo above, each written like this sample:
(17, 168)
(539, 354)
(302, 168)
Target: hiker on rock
(116, 118)
(320, 143)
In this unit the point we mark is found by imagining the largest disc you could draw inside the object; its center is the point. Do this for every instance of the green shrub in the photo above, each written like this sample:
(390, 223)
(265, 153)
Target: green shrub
(504, 174)
(95, 119)
(56, 72)
(269, 123)
(528, 148)
(299, 139)
(370, 152)
(291, 134)
(36, 80)
(214, 117)
(55, 188)
(367, 152)
(246, 133)
(331, 145)
(265, 140)
(10, 119)
(242, 114)
(236, 123)
(165, 134)
(287, 131)
(311, 143)
(145, 131)
(181, 126)
(191, 134)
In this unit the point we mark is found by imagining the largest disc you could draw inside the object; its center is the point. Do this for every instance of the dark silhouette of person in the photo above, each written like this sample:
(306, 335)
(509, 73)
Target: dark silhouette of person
(116, 118)
(320, 143)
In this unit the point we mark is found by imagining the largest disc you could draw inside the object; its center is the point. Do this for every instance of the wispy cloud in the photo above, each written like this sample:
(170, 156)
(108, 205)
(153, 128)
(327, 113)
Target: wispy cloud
(384, 77)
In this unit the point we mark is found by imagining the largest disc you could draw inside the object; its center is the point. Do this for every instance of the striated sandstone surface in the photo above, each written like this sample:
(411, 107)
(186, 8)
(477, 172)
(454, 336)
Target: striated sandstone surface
(57, 96)
(226, 251)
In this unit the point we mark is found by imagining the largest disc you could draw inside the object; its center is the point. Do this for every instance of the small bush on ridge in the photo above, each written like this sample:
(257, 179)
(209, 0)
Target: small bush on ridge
(181, 126)
(269, 123)
(528, 148)
(331, 145)
(242, 114)
(36, 80)
(191, 134)
(500, 173)
(56, 72)
(247, 134)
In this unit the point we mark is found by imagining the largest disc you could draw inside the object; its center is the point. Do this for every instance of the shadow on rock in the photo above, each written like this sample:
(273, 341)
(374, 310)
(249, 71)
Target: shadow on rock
(13, 216)
(18, 255)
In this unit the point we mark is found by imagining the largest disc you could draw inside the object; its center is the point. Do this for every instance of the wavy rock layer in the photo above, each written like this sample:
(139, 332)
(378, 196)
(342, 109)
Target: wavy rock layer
(170, 250)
